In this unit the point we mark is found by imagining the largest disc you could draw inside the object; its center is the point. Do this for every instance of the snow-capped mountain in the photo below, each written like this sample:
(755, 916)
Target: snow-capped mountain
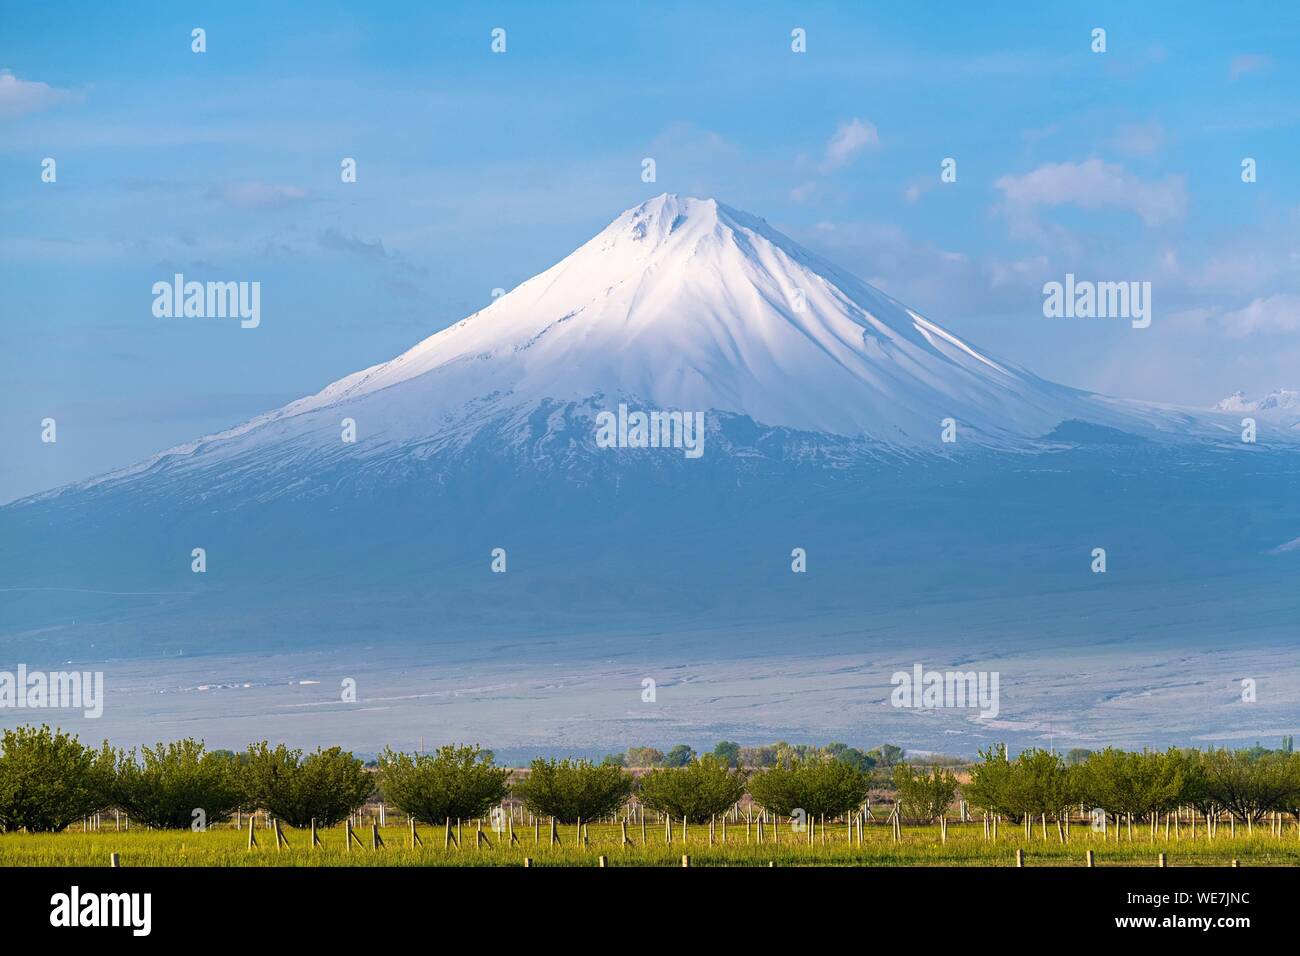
(824, 401)
(689, 304)
(1280, 406)
(1282, 399)
(682, 304)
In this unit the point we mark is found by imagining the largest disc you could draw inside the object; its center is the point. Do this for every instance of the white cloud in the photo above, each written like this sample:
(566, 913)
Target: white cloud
(1139, 139)
(801, 192)
(947, 283)
(1094, 184)
(259, 195)
(1274, 313)
(20, 97)
(688, 143)
(849, 139)
(1248, 63)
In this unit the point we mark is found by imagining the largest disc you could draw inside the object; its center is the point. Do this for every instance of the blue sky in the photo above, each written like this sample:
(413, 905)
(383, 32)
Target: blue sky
(477, 170)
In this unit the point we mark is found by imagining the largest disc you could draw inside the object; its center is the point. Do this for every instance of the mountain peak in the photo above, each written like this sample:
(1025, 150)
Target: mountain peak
(683, 303)
(671, 206)
(656, 220)
(1281, 399)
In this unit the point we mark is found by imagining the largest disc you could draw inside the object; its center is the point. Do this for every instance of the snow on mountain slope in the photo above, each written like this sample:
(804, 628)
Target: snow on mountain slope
(689, 304)
(823, 398)
(1283, 401)
(1280, 399)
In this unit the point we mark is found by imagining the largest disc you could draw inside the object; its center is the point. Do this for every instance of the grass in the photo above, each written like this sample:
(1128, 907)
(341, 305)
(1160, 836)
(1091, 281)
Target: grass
(920, 846)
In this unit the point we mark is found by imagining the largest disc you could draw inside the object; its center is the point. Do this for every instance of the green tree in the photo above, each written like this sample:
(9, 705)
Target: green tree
(704, 788)
(886, 755)
(1290, 801)
(48, 779)
(792, 753)
(1249, 785)
(326, 785)
(1076, 755)
(834, 787)
(1041, 785)
(1122, 782)
(816, 785)
(764, 756)
(991, 787)
(851, 756)
(173, 786)
(729, 751)
(456, 783)
(922, 795)
(643, 757)
(573, 789)
(679, 756)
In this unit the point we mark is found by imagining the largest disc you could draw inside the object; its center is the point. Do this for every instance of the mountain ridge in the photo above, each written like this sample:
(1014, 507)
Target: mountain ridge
(823, 434)
(689, 304)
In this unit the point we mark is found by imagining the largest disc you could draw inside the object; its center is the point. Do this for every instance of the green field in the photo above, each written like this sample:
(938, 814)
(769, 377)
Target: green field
(920, 846)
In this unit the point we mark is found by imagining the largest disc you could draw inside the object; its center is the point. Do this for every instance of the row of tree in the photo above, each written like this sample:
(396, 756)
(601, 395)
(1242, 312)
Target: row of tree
(48, 780)
(753, 758)
(1246, 783)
